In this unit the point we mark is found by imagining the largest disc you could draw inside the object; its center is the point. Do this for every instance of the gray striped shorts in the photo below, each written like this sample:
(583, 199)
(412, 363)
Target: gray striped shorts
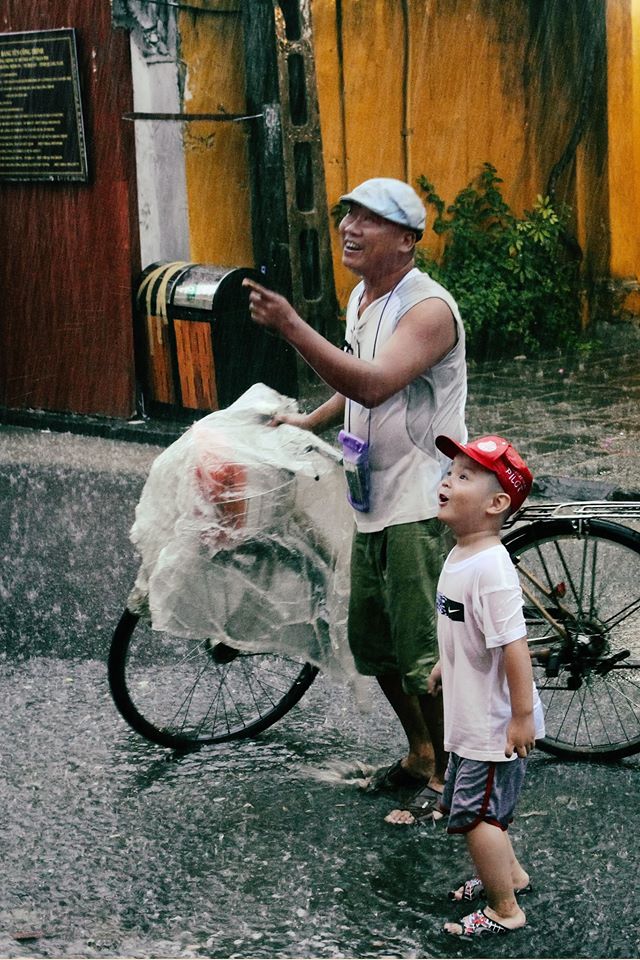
(478, 791)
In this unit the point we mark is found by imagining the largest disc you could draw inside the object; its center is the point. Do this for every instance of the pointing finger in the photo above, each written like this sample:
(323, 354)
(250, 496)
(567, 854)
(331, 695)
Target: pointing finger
(254, 286)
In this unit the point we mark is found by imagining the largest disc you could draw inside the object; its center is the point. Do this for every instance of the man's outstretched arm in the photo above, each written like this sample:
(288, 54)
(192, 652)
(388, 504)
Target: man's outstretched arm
(425, 334)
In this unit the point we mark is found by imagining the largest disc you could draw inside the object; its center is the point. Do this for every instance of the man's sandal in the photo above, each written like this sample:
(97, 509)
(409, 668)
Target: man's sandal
(395, 777)
(473, 889)
(477, 924)
(424, 806)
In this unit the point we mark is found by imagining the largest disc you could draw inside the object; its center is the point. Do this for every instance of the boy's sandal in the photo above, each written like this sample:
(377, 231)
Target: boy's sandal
(476, 925)
(473, 889)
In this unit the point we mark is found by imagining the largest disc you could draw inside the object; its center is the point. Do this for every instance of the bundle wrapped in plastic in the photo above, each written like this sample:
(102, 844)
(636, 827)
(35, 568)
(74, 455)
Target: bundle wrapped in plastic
(244, 533)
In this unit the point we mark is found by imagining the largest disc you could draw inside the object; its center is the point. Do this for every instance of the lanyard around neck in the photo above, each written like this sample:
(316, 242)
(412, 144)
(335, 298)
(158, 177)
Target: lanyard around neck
(373, 353)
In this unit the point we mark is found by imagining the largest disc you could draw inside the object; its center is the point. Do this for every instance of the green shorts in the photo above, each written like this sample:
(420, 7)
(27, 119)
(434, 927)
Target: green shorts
(392, 619)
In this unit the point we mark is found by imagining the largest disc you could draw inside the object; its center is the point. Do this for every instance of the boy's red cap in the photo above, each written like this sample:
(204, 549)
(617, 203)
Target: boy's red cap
(499, 456)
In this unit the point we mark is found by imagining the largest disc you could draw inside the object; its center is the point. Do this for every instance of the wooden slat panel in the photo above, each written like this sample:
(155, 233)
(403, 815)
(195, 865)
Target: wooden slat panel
(195, 364)
(159, 360)
(329, 79)
(623, 76)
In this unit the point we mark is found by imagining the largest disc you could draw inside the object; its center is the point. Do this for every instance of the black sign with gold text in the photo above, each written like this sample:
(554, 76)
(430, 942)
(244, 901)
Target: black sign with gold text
(41, 128)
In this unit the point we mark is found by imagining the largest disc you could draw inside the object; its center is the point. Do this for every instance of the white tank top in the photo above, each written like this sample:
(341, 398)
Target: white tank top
(406, 467)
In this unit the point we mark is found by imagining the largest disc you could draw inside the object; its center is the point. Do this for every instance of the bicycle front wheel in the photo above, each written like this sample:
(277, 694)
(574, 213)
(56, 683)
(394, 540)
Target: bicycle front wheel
(585, 574)
(184, 694)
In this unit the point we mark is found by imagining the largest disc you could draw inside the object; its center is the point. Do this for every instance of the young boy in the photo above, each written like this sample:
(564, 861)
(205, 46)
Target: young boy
(492, 712)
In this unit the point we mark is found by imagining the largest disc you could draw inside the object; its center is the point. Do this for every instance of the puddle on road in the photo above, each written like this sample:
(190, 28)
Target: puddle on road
(117, 848)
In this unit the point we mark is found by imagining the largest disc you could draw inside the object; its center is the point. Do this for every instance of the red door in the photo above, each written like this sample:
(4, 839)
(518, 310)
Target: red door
(68, 251)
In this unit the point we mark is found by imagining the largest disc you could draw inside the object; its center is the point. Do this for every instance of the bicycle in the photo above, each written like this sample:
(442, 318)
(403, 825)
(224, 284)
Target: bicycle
(580, 574)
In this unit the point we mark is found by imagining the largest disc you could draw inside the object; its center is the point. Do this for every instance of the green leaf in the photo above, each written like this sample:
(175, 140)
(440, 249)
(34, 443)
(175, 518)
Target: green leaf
(515, 284)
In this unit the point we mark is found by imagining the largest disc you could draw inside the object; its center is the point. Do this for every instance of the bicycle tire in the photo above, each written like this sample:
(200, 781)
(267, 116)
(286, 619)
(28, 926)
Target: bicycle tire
(590, 573)
(184, 694)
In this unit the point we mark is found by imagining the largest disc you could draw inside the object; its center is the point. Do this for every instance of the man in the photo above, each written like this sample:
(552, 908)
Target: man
(400, 382)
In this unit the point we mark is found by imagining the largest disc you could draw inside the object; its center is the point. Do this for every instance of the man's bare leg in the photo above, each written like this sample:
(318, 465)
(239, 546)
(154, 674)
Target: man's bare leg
(430, 708)
(432, 711)
(420, 759)
(423, 723)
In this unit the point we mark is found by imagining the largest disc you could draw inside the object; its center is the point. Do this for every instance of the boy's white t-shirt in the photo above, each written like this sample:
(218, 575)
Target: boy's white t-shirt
(479, 604)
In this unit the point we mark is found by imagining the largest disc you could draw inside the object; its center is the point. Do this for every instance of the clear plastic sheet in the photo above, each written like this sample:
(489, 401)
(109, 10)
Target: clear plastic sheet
(244, 532)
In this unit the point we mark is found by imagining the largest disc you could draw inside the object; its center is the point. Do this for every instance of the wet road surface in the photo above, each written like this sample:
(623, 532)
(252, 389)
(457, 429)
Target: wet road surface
(113, 847)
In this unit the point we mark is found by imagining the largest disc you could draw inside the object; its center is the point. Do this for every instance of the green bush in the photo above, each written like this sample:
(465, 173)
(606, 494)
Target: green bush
(515, 283)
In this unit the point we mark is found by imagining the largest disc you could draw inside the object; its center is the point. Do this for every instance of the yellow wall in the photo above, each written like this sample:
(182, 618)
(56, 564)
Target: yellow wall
(466, 98)
(632, 302)
(433, 87)
(623, 62)
(216, 161)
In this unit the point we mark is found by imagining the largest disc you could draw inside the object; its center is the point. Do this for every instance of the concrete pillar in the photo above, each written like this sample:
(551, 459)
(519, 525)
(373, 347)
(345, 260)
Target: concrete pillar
(162, 192)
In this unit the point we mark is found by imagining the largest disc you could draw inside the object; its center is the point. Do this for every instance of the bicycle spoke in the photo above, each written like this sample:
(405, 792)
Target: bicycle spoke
(587, 580)
(621, 615)
(583, 576)
(205, 722)
(184, 707)
(566, 571)
(617, 719)
(566, 706)
(260, 682)
(551, 591)
(248, 677)
(176, 692)
(633, 702)
(635, 705)
(592, 590)
(599, 714)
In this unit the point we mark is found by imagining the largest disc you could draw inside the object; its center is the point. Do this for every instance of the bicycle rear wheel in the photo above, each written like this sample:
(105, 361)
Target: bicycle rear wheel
(586, 575)
(184, 693)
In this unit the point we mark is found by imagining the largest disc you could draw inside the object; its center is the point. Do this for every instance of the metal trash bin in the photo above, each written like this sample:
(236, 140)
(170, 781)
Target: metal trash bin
(197, 347)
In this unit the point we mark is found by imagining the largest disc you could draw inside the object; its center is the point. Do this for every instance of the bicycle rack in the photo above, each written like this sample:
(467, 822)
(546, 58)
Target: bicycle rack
(587, 509)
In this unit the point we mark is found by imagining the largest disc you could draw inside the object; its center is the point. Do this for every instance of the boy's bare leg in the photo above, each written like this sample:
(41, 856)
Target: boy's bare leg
(519, 876)
(421, 759)
(500, 872)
